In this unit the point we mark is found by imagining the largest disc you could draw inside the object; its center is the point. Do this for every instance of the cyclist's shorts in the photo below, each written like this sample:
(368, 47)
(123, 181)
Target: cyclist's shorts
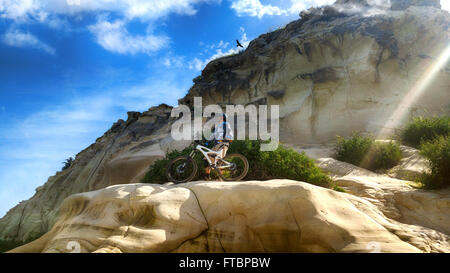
(220, 145)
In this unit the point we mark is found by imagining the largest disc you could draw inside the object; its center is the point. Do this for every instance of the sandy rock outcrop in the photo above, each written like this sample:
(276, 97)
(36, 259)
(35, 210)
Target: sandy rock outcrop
(268, 216)
(420, 215)
(411, 166)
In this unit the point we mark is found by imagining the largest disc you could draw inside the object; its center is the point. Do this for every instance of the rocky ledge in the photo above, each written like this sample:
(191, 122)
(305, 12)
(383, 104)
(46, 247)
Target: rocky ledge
(253, 216)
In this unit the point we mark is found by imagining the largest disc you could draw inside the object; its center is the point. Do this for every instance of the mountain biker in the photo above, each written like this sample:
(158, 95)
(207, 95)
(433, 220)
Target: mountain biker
(223, 136)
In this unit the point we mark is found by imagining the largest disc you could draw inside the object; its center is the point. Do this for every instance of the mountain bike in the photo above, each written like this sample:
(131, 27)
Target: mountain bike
(232, 167)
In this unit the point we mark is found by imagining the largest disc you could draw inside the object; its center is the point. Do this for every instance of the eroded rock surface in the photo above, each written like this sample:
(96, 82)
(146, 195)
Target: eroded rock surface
(411, 166)
(268, 216)
(422, 216)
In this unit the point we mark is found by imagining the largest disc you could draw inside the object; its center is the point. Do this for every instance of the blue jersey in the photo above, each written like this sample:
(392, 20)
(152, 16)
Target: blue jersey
(223, 131)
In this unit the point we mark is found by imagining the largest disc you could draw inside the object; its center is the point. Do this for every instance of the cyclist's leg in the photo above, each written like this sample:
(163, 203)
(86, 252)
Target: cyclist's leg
(225, 149)
(216, 148)
(207, 170)
(222, 151)
(208, 166)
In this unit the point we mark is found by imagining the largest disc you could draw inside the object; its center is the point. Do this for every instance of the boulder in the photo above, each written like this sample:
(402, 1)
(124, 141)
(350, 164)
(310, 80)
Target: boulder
(416, 215)
(254, 216)
(411, 166)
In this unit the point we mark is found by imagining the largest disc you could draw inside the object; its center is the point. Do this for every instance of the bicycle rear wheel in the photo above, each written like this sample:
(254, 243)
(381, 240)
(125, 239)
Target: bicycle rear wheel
(181, 169)
(238, 169)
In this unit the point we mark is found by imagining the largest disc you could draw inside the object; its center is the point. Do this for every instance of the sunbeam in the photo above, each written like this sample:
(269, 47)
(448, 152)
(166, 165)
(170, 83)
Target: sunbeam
(410, 98)
(415, 93)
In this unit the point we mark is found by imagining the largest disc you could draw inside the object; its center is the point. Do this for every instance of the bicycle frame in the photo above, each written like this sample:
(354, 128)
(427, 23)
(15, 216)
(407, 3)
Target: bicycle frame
(206, 152)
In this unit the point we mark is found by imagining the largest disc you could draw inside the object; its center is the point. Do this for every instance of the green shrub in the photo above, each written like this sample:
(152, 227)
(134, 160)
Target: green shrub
(363, 151)
(425, 129)
(157, 171)
(281, 163)
(354, 149)
(68, 163)
(289, 164)
(337, 188)
(383, 156)
(438, 154)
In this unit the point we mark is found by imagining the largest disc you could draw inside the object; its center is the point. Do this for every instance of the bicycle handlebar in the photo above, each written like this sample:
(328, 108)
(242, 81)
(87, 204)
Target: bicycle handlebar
(201, 142)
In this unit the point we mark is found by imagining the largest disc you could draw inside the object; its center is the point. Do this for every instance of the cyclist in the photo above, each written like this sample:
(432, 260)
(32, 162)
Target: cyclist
(222, 137)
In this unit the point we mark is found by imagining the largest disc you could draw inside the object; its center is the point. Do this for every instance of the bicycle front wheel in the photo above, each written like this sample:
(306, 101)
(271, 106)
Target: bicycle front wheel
(181, 169)
(233, 167)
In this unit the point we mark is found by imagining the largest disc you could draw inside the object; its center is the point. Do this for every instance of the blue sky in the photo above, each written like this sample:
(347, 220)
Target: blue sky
(70, 68)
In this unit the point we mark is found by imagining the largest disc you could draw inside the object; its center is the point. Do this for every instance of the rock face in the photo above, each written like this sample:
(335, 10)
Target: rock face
(332, 72)
(337, 70)
(270, 216)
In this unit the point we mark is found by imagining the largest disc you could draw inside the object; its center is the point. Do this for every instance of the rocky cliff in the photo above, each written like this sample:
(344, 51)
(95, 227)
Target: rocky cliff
(350, 67)
(337, 69)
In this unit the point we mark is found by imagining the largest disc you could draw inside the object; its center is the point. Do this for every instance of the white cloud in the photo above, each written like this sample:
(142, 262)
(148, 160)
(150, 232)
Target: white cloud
(196, 64)
(143, 9)
(167, 62)
(115, 37)
(222, 49)
(255, 8)
(297, 6)
(111, 36)
(16, 38)
(18, 9)
(385, 4)
(220, 44)
(317, 3)
(445, 4)
(173, 61)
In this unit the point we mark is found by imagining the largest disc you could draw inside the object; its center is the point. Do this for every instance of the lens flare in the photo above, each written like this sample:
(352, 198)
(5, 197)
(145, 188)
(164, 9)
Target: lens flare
(410, 98)
(415, 93)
